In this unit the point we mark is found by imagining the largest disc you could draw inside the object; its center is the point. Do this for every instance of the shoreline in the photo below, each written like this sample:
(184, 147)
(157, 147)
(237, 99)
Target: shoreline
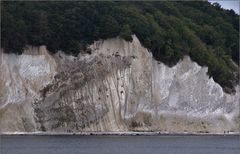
(116, 134)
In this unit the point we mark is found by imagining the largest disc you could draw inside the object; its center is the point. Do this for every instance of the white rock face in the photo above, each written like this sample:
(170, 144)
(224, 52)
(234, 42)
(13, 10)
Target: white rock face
(119, 87)
(23, 74)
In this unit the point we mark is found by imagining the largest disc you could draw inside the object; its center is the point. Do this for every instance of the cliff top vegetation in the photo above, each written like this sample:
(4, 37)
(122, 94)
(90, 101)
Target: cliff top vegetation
(170, 30)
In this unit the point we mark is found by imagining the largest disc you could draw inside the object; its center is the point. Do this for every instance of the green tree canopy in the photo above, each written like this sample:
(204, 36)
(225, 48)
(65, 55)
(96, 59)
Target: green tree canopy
(170, 30)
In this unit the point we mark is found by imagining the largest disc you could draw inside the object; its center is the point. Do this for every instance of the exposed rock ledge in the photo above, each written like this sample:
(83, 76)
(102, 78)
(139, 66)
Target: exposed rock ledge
(119, 87)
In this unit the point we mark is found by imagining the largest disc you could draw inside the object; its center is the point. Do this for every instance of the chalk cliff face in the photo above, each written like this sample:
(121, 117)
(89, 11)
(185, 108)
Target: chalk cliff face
(119, 87)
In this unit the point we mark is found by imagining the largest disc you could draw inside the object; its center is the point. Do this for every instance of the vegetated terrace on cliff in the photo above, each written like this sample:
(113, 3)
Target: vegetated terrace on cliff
(170, 30)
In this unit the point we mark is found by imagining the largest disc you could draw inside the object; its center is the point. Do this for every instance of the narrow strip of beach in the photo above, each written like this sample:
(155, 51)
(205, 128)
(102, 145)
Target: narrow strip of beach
(117, 134)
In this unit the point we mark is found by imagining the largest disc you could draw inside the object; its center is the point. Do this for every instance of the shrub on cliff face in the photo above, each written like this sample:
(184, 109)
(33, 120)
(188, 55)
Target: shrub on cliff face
(135, 124)
(169, 30)
(126, 33)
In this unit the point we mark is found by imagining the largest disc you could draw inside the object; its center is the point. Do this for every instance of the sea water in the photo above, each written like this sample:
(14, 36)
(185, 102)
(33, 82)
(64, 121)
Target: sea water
(70, 144)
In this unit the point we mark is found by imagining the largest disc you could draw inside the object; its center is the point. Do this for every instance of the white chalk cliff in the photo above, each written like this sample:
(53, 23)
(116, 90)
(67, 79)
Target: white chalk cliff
(119, 87)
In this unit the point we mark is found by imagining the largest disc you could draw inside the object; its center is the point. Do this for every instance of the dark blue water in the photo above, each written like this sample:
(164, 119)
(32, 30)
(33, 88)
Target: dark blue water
(120, 145)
